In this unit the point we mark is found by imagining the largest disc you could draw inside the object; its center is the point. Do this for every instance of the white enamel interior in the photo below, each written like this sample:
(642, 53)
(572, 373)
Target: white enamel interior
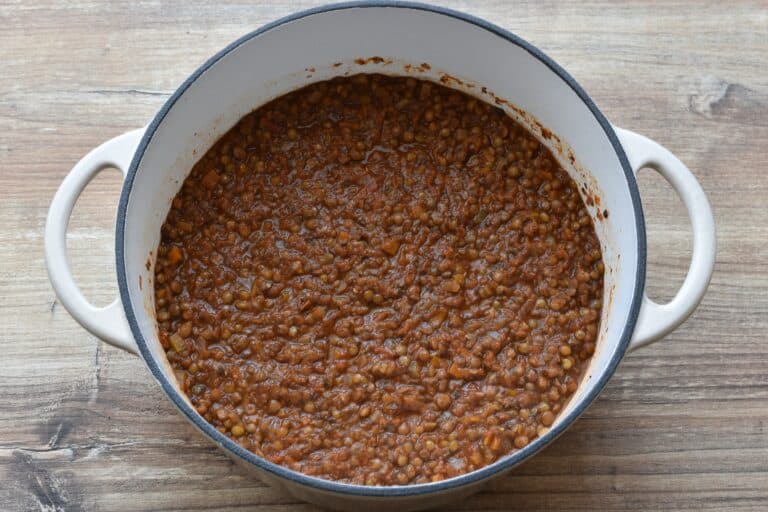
(304, 51)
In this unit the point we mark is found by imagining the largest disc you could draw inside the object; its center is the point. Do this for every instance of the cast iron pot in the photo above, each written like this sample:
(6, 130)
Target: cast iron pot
(395, 38)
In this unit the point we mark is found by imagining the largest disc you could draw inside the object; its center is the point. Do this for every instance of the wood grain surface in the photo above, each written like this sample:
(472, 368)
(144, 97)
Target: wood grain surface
(683, 424)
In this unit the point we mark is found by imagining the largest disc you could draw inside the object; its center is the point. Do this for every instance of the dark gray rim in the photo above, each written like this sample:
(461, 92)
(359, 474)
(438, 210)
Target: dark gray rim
(360, 490)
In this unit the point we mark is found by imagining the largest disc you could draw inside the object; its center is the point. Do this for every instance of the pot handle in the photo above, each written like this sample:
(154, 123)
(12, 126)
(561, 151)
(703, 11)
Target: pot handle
(657, 320)
(107, 323)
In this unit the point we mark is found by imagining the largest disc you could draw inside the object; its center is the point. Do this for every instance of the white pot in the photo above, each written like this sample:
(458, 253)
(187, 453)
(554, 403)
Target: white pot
(466, 53)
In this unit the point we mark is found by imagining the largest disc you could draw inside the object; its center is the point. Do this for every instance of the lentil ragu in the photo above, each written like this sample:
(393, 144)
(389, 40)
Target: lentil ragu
(379, 280)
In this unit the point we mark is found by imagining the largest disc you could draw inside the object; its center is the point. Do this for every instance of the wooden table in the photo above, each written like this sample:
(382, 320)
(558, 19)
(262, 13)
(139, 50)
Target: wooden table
(682, 425)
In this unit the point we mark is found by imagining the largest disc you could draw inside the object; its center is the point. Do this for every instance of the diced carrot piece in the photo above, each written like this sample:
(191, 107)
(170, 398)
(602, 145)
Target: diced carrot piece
(175, 255)
(390, 246)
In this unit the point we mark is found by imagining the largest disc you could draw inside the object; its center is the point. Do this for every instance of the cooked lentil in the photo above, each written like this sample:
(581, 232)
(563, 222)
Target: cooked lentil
(379, 280)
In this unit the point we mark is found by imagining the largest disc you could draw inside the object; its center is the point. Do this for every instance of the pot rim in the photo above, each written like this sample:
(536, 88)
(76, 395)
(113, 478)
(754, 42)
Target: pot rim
(332, 486)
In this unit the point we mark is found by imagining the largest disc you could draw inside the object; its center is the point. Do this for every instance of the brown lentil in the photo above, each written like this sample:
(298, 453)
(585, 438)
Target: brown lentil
(379, 280)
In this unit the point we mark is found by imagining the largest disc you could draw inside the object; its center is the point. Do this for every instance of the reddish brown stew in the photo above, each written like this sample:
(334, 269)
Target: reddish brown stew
(379, 280)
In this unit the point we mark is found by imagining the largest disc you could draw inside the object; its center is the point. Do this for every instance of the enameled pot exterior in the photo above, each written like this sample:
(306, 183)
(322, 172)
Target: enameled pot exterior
(402, 39)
